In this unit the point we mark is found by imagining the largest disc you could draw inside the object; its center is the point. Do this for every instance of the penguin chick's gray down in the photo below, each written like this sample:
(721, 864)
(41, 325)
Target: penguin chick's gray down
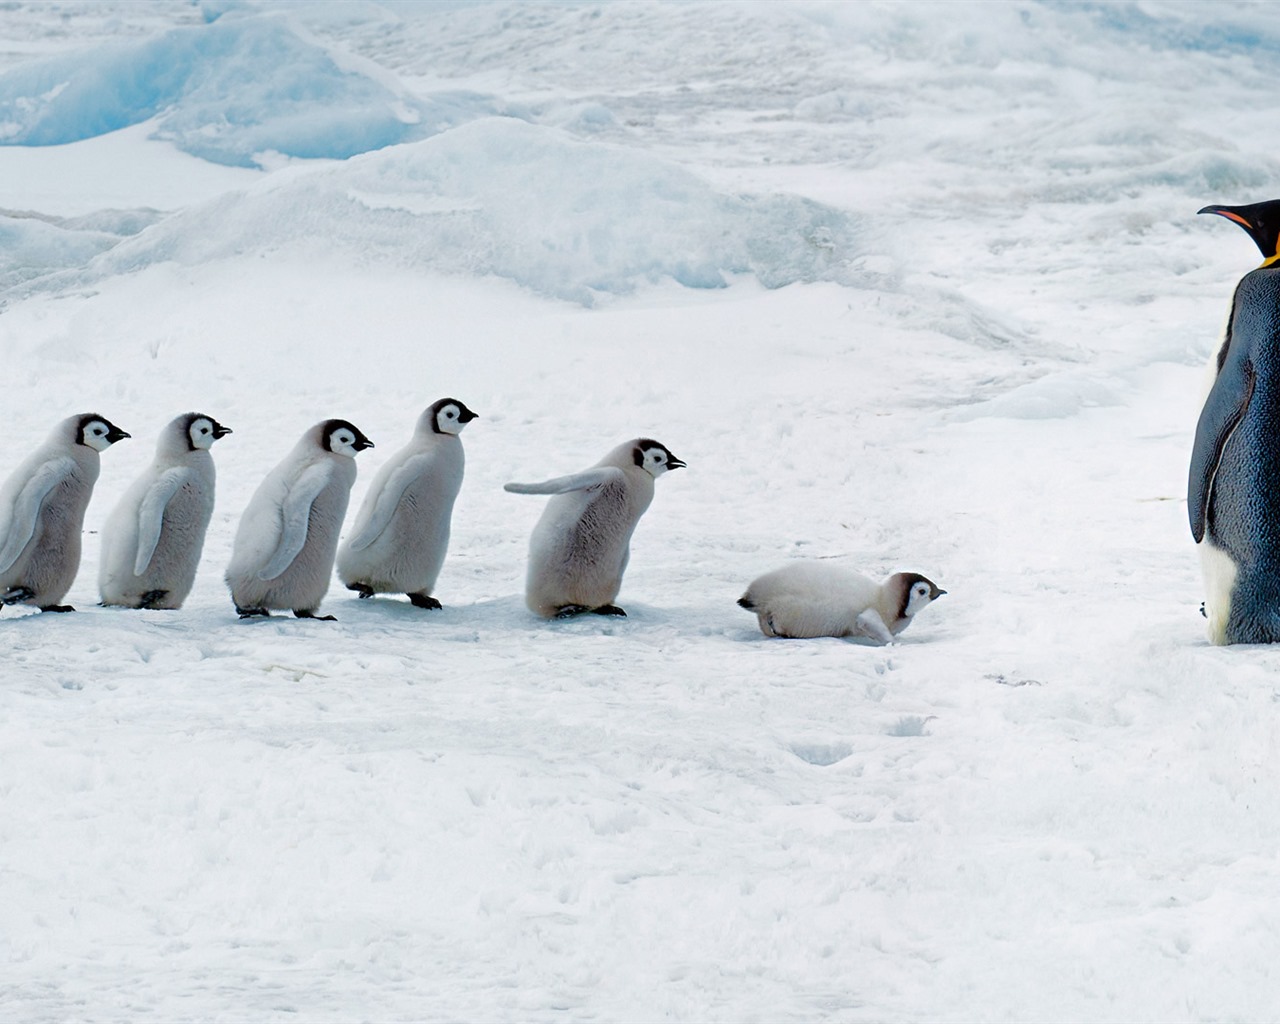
(806, 599)
(42, 508)
(284, 547)
(401, 533)
(1233, 484)
(579, 549)
(151, 542)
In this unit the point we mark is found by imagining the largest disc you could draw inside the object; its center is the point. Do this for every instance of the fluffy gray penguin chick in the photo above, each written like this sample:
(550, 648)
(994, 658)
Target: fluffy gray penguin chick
(42, 508)
(401, 532)
(152, 540)
(580, 546)
(808, 599)
(287, 538)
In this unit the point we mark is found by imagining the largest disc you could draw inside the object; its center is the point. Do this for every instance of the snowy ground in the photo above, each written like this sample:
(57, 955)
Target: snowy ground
(966, 309)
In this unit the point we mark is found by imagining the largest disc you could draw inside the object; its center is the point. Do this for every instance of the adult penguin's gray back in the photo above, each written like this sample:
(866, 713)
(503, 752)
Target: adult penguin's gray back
(152, 541)
(42, 508)
(580, 547)
(1233, 486)
(401, 532)
(284, 546)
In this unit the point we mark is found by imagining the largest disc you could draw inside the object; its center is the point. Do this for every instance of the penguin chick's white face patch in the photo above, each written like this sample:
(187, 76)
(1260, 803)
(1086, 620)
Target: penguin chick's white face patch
(201, 433)
(449, 419)
(918, 598)
(656, 459)
(343, 442)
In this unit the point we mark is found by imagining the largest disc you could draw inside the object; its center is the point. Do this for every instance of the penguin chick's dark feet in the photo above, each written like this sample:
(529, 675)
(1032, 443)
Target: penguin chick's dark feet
(152, 598)
(609, 609)
(303, 614)
(361, 589)
(252, 613)
(424, 601)
(568, 611)
(15, 594)
(56, 608)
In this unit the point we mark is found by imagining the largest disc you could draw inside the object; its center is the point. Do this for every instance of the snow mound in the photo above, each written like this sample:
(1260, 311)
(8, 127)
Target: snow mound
(31, 245)
(226, 92)
(500, 197)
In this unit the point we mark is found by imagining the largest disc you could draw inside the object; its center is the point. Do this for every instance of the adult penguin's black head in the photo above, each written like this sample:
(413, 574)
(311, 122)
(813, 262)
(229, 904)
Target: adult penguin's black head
(1261, 220)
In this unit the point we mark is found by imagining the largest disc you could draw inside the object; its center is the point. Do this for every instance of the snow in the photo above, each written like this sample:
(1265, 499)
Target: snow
(1051, 799)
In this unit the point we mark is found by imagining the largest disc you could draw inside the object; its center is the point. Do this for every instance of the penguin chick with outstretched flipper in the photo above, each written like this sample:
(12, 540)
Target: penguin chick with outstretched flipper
(287, 538)
(808, 599)
(401, 532)
(42, 508)
(580, 547)
(1233, 485)
(152, 541)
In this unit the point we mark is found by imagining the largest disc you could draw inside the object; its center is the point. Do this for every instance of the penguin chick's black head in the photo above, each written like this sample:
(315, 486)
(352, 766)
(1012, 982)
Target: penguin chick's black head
(647, 449)
(345, 432)
(1260, 220)
(464, 414)
(102, 429)
(207, 425)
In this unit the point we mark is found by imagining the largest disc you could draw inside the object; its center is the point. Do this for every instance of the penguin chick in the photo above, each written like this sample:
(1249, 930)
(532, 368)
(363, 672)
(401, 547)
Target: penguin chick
(807, 599)
(151, 542)
(580, 547)
(284, 546)
(402, 530)
(42, 508)
(1233, 483)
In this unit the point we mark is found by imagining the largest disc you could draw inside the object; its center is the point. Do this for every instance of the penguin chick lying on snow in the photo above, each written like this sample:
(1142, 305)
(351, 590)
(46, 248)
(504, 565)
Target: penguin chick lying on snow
(807, 600)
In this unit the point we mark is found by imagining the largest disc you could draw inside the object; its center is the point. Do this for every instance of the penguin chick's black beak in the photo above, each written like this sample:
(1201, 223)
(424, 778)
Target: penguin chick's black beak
(465, 415)
(674, 463)
(116, 434)
(220, 431)
(938, 594)
(362, 444)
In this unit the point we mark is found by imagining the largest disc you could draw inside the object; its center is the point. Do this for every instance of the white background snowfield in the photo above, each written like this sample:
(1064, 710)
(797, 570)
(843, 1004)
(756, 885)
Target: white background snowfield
(907, 286)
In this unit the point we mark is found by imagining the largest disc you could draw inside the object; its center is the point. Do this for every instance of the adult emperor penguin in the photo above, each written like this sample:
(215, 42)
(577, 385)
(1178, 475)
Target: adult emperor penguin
(284, 547)
(808, 599)
(42, 508)
(579, 549)
(1233, 487)
(151, 542)
(402, 530)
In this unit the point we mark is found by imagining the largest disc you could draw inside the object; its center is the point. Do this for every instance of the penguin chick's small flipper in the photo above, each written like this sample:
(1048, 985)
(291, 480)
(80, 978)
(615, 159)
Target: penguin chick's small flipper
(304, 614)
(151, 514)
(424, 601)
(389, 501)
(873, 626)
(609, 609)
(588, 480)
(21, 526)
(295, 513)
(1224, 408)
(15, 595)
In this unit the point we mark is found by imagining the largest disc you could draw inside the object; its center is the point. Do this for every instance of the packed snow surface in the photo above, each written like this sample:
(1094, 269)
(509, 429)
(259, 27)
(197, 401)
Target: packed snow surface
(908, 287)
